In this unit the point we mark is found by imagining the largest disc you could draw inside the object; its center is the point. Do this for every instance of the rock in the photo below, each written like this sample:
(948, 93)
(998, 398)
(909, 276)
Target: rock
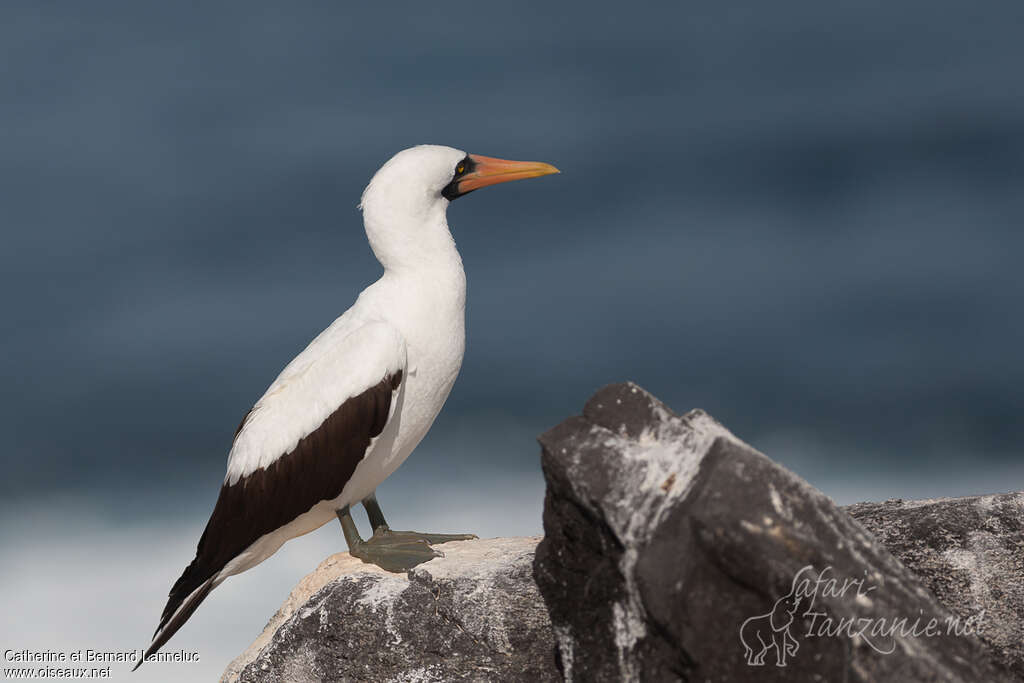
(969, 552)
(474, 614)
(670, 544)
(674, 551)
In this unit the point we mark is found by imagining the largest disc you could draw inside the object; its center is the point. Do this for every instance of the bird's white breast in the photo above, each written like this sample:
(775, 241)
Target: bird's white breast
(428, 309)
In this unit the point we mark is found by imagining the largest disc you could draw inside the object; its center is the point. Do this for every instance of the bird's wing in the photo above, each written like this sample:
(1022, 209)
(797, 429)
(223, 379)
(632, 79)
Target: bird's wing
(345, 360)
(297, 447)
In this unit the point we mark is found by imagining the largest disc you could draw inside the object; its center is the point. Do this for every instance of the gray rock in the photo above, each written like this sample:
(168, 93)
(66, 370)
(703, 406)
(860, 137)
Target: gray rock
(674, 551)
(669, 541)
(474, 614)
(969, 552)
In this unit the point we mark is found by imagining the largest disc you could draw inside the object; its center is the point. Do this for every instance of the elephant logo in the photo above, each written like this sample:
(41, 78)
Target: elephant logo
(771, 631)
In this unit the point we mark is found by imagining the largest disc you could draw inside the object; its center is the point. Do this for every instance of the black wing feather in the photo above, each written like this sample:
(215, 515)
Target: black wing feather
(265, 500)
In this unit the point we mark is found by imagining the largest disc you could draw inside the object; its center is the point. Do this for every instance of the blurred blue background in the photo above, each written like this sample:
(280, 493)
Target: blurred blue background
(804, 218)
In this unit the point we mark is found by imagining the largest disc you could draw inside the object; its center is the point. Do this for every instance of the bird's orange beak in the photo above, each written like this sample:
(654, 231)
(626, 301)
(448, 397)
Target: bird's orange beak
(484, 171)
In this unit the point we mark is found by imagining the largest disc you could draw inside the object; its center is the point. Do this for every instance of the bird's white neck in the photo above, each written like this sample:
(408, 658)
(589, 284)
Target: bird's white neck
(423, 283)
(408, 232)
(423, 290)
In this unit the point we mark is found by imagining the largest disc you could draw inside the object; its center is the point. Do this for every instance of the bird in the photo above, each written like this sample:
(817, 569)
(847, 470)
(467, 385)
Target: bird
(354, 404)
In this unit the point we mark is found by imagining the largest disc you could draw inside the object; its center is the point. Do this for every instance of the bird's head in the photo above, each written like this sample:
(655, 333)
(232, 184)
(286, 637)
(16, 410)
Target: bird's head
(405, 203)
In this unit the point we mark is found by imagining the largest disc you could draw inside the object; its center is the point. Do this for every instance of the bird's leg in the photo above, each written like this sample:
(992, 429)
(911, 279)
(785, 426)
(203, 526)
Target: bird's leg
(393, 554)
(381, 528)
(374, 513)
(348, 527)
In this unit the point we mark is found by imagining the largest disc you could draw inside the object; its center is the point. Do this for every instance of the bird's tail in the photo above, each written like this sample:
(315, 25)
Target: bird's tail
(175, 615)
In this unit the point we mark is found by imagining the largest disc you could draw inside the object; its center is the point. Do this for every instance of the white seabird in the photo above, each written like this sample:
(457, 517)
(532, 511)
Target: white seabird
(349, 409)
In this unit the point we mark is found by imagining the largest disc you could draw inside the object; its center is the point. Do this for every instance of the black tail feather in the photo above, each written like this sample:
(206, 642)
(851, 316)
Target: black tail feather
(271, 497)
(171, 622)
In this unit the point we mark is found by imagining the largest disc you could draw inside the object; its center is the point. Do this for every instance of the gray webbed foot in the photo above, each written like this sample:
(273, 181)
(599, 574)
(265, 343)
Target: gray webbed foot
(381, 527)
(394, 551)
(394, 554)
(431, 539)
(390, 554)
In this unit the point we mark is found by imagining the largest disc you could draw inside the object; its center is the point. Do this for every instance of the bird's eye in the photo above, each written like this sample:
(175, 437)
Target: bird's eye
(460, 169)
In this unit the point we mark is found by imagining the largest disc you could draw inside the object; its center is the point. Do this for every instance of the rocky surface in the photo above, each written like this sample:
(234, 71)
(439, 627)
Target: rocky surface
(474, 614)
(969, 552)
(674, 551)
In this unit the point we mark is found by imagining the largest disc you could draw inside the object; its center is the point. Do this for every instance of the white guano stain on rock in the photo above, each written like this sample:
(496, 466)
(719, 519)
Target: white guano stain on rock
(474, 583)
(334, 567)
(469, 567)
(654, 473)
(382, 591)
(974, 560)
(627, 629)
(780, 506)
(426, 674)
(381, 596)
(566, 646)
